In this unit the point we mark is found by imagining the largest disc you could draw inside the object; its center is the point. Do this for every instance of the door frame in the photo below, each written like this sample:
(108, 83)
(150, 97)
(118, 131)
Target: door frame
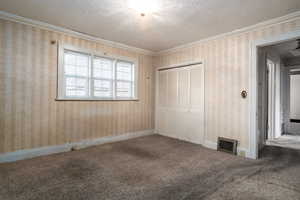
(271, 105)
(254, 133)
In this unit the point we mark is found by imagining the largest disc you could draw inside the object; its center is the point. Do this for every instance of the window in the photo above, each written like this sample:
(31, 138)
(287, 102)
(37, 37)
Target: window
(124, 79)
(87, 76)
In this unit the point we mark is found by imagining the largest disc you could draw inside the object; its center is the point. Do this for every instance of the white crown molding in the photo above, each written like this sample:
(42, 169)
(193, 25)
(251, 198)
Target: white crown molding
(16, 18)
(265, 24)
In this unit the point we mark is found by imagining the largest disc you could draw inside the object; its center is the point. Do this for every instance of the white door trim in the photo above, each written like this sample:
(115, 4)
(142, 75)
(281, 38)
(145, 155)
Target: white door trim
(253, 130)
(271, 99)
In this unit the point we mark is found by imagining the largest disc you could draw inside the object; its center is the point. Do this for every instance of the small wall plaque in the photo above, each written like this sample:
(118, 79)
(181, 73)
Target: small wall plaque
(244, 94)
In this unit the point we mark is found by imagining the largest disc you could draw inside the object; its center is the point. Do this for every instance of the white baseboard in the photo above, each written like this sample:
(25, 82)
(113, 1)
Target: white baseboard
(31, 153)
(178, 138)
(212, 145)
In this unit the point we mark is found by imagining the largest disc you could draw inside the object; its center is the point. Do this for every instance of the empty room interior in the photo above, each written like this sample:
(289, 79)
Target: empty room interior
(149, 100)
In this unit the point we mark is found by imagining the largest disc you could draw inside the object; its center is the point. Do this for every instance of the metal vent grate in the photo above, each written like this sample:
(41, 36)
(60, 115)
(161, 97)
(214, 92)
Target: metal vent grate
(227, 145)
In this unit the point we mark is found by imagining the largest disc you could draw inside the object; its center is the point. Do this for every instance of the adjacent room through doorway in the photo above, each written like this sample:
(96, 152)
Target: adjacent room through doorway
(278, 94)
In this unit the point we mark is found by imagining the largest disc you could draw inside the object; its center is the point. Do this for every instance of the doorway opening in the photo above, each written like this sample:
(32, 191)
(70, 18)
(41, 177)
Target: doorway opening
(278, 94)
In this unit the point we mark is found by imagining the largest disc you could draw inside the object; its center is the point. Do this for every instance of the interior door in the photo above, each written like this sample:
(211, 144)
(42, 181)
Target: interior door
(180, 103)
(274, 104)
(271, 99)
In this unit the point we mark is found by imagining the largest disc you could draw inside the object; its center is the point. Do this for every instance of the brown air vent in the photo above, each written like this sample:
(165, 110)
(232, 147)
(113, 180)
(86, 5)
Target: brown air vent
(227, 145)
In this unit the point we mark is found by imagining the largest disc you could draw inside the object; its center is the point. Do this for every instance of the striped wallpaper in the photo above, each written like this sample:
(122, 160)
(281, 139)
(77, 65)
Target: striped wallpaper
(29, 115)
(227, 61)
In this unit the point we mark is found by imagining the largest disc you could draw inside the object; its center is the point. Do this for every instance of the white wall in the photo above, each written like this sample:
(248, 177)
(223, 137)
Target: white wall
(285, 97)
(294, 128)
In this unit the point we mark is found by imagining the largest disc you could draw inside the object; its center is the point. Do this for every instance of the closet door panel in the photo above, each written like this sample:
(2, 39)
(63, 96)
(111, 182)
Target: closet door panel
(183, 87)
(197, 87)
(173, 120)
(162, 121)
(195, 128)
(162, 89)
(196, 117)
(172, 88)
(184, 127)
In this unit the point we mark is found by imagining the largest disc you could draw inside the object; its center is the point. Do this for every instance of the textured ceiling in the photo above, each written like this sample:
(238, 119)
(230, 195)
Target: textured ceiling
(176, 22)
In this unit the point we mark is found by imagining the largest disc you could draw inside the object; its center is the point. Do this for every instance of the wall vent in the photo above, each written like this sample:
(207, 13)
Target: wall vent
(227, 145)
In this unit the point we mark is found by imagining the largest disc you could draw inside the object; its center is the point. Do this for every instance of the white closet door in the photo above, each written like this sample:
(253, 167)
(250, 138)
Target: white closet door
(172, 114)
(196, 109)
(183, 85)
(161, 113)
(179, 114)
(162, 89)
(172, 88)
(180, 109)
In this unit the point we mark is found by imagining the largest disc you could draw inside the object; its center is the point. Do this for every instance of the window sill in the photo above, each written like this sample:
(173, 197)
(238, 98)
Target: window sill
(66, 99)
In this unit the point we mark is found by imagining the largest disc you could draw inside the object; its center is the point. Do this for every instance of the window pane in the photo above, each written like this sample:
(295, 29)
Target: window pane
(76, 86)
(70, 59)
(102, 68)
(124, 89)
(82, 60)
(76, 64)
(102, 88)
(124, 71)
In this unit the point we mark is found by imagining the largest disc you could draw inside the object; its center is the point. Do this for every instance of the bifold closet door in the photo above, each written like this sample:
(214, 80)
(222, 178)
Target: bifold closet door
(180, 107)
